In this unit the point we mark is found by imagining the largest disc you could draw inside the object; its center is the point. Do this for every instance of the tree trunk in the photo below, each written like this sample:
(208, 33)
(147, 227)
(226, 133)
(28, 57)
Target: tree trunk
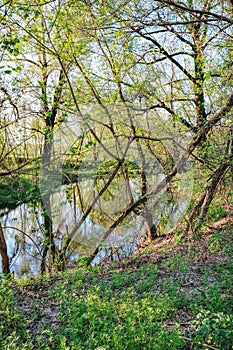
(3, 253)
(210, 192)
(205, 201)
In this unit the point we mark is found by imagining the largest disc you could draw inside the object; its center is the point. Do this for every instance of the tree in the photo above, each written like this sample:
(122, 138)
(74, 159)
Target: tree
(3, 253)
(141, 82)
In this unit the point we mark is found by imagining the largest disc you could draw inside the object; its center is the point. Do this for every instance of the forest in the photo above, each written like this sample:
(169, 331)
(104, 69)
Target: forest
(116, 163)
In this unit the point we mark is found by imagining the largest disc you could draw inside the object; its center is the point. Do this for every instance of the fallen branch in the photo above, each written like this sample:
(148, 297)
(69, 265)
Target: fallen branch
(206, 345)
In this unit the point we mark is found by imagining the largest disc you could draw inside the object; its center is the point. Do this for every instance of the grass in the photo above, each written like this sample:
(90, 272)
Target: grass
(175, 303)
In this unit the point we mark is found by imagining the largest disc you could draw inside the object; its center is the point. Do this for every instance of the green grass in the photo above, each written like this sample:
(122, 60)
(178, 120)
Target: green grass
(147, 307)
(13, 332)
(115, 312)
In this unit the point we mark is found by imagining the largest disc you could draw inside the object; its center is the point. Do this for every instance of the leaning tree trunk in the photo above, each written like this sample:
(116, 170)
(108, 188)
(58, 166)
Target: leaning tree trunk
(3, 253)
(205, 201)
(209, 193)
(196, 141)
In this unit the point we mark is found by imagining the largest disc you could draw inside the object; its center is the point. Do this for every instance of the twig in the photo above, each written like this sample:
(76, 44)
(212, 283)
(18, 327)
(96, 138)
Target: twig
(207, 345)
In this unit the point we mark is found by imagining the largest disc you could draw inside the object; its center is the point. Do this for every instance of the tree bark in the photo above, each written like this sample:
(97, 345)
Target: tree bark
(196, 141)
(216, 178)
(210, 192)
(3, 253)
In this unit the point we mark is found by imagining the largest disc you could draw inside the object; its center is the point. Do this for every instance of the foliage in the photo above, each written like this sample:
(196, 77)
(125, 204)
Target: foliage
(216, 211)
(145, 306)
(96, 85)
(16, 192)
(107, 168)
(13, 333)
(214, 328)
(93, 85)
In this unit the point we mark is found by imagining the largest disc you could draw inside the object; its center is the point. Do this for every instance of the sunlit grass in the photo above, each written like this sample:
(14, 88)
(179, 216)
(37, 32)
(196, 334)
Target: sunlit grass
(137, 307)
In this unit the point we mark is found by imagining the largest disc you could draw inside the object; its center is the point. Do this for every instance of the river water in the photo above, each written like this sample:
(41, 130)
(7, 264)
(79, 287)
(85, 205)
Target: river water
(23, 230)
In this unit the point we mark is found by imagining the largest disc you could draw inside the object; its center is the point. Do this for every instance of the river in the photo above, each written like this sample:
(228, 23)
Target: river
(23, 230)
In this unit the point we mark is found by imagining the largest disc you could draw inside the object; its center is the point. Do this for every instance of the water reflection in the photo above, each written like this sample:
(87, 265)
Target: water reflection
(23, 230)
(23, 235)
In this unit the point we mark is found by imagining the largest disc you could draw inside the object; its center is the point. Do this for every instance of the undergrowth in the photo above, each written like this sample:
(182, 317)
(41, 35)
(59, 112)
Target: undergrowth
(151, 306)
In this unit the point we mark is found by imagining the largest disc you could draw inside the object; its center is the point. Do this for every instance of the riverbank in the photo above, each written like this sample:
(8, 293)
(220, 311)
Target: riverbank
(174, 293)
(15, 191)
